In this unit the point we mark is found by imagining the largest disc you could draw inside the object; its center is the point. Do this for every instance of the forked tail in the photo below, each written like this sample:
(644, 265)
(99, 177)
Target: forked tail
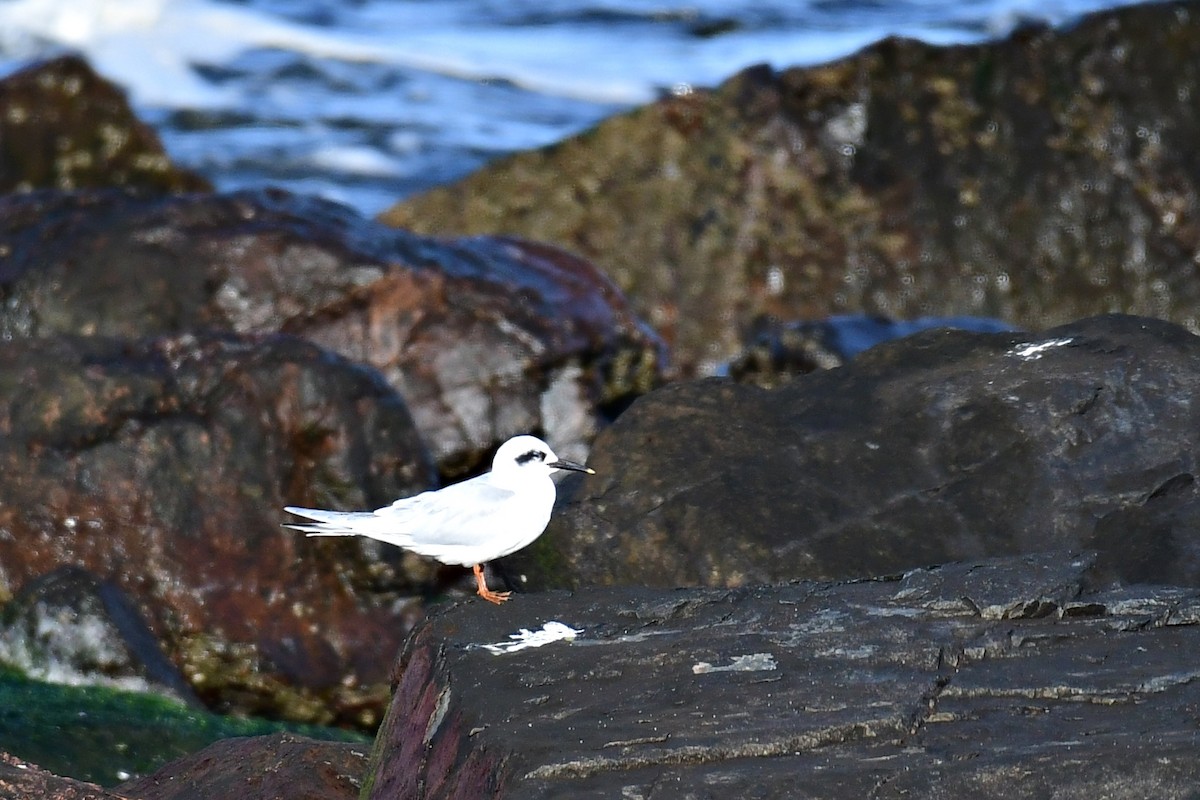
(325, 523)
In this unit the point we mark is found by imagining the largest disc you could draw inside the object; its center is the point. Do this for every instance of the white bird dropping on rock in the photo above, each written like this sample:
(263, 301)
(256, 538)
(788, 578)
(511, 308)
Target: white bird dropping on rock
(467, 523)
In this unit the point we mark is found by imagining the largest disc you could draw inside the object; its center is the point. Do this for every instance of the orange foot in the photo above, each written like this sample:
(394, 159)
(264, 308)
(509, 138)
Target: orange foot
(484, 591)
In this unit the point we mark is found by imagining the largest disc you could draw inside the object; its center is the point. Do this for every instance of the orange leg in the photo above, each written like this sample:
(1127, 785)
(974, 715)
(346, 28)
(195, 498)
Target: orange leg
(485, 592)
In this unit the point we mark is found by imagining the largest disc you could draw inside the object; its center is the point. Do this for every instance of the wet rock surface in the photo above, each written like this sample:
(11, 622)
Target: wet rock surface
(998, 678)
(1039, 179)
(65, 127)
(484, 337)
(161, 466)
(258, 768)
(941, 446)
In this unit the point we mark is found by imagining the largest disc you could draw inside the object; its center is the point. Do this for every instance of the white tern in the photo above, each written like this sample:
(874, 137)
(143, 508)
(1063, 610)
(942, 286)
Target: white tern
(466, 523)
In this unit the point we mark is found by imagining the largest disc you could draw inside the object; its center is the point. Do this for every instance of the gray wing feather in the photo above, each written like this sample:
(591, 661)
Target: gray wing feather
(451, 516)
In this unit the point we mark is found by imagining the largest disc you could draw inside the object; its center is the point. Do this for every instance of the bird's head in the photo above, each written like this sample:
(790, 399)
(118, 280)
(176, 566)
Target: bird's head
(525, 455)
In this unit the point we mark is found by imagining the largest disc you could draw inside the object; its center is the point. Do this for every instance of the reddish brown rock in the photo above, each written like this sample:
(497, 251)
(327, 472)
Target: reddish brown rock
(243, 768)
(65, 127)
(259, 768)
(484, 337)
(20, 780)
(162, 467)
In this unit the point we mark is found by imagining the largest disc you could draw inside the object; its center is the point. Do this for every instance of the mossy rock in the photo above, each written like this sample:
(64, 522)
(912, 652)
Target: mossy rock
(108, 736)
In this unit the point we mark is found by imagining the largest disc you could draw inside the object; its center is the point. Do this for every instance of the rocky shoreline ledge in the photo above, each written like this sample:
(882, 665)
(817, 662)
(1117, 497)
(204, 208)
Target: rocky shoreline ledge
(959, 562)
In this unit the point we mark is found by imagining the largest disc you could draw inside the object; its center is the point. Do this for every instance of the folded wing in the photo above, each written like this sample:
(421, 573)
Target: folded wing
(455, 525)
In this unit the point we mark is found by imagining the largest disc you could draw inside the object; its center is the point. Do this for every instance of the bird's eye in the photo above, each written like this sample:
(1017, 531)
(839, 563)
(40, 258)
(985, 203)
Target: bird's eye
(532, 455)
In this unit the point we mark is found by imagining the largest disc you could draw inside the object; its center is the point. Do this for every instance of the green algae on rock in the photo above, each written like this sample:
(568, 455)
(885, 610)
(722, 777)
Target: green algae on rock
(107, 736)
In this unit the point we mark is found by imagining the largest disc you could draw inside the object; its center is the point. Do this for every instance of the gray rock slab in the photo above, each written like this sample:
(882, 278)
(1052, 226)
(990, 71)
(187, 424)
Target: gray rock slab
(979, 676)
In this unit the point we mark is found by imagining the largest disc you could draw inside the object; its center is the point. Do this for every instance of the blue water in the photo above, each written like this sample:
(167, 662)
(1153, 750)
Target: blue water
(366, 101)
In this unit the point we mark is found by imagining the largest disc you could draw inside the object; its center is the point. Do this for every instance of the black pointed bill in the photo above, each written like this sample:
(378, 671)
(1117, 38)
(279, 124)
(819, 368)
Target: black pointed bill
(571, 465)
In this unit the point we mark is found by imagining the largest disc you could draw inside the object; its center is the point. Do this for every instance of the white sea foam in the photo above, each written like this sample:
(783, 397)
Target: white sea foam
(151, 45)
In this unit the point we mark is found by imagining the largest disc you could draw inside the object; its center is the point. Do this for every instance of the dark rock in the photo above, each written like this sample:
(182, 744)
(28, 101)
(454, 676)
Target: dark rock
(985, 679)
(483, 337)
(20, 780)
(1039, 179)
(940, 446)
(259, 768)
(162, 467)
(70, 627)
(777, 351)
(65, 127)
